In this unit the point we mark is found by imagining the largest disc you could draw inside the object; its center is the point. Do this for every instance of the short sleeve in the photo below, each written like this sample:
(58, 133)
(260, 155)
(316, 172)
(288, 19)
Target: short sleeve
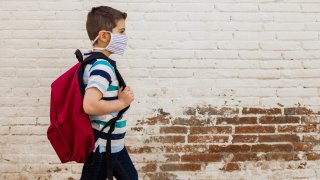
(100, 75)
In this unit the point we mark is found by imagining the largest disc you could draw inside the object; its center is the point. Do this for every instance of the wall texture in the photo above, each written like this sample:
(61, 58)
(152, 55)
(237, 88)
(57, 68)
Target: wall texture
(225, 89)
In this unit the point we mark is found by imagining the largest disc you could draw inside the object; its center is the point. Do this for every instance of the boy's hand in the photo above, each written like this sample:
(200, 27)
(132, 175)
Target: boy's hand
(126, 95)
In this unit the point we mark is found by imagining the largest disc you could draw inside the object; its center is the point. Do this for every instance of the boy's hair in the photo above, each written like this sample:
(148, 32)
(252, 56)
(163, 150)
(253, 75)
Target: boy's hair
(102, 18)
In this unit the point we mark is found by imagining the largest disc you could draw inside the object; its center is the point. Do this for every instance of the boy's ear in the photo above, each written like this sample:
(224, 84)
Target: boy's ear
(104, 36)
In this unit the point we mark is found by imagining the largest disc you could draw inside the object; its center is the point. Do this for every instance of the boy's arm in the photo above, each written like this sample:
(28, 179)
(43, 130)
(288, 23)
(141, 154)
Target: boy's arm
(94, 105)
(100, 78)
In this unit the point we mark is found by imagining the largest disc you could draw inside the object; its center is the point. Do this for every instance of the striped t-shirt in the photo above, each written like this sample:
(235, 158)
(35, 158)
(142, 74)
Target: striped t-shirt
(101, 75)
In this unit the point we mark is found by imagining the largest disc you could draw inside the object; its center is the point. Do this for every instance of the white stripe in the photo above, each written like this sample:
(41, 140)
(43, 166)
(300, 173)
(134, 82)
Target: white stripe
(104, 68)
(113, 142)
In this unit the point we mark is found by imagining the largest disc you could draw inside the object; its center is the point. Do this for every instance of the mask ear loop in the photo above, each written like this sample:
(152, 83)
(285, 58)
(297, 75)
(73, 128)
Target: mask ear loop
(111, 39)
(97, 39)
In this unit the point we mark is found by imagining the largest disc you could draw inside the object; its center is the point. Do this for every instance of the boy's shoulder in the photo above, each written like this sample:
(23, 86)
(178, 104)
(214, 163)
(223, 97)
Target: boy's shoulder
(102, 63)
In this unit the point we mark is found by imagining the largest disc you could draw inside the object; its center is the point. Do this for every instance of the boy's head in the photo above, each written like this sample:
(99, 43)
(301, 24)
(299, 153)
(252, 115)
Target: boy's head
(100, 22)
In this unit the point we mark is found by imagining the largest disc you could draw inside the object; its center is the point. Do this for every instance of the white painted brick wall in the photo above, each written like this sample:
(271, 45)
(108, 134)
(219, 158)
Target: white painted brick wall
(181, 53)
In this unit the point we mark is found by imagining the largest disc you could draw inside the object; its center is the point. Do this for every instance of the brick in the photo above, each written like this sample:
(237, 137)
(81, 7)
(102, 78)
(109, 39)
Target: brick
(185, 149)
(272, 148)
(211, 130)
(254, 129)
(237, 120)
(233, 7)
(139, 150)
(154, 120)
(244, 139)
(310, 119)
(313, 156)
(279, 138)
(243, 156)
(279, 7)
(231, 166)
(172, 157)
(165, 139)
(278, 119)
(297, 111)
(217, 111)
(311, 138)
(302, 146)
(149, 167)
(229, 148)
(280, 156)
(190, 121)
(207, 139)
(180, 167)
(202, 158)
(261, 111)
(174, 129)
(297, 128)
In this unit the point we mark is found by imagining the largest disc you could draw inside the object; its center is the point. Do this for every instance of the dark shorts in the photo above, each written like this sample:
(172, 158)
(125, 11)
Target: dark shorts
(95, 167)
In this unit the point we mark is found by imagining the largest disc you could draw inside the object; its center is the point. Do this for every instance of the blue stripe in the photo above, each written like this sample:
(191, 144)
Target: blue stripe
(110, 98)
(101, 73)
(113, 136)
(104, 62)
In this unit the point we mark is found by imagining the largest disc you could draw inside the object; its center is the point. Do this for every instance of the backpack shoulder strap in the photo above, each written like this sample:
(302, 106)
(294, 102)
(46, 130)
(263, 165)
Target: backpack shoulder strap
(94, 56)
(99, 55)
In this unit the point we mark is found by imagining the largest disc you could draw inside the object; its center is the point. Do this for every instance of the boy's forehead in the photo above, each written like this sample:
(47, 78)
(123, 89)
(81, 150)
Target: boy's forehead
(121, 24)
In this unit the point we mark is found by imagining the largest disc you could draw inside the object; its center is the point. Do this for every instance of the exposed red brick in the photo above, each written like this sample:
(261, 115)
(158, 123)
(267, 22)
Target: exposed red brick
(180, 167)
(166, 139)
(298, 128)
(149, 167)
(278, 119)
(311, 138)
(229, 148)
(302, 146)
(207, 139)
(237, 120)
(138, 129)
(254, 129)
(217, 111)
(280, 156)
(139, 150)
(313, 156)
(192, 121)
(279, 138)
(310, 119)
(185, 148)
(172, 157)
(244, 138)
(245, 157)
(272, 148)
(159, 176)
(153, 121)
(173, 129)
(201, 157)
(261, 111)
(297, 111)
(210, 130)
(231, 166)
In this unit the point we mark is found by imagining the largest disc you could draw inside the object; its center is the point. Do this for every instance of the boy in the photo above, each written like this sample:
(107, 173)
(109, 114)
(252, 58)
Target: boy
(106, 30)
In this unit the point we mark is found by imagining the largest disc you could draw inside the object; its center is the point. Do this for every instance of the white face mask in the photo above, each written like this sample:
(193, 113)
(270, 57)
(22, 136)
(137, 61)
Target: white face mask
(118, 43)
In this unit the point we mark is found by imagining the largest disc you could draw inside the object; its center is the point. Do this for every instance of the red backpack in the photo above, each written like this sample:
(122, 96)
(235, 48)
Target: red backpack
(70, 132)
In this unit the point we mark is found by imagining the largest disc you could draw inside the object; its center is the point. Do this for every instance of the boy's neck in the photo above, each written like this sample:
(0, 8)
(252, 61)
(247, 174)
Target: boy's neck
(105, 52)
